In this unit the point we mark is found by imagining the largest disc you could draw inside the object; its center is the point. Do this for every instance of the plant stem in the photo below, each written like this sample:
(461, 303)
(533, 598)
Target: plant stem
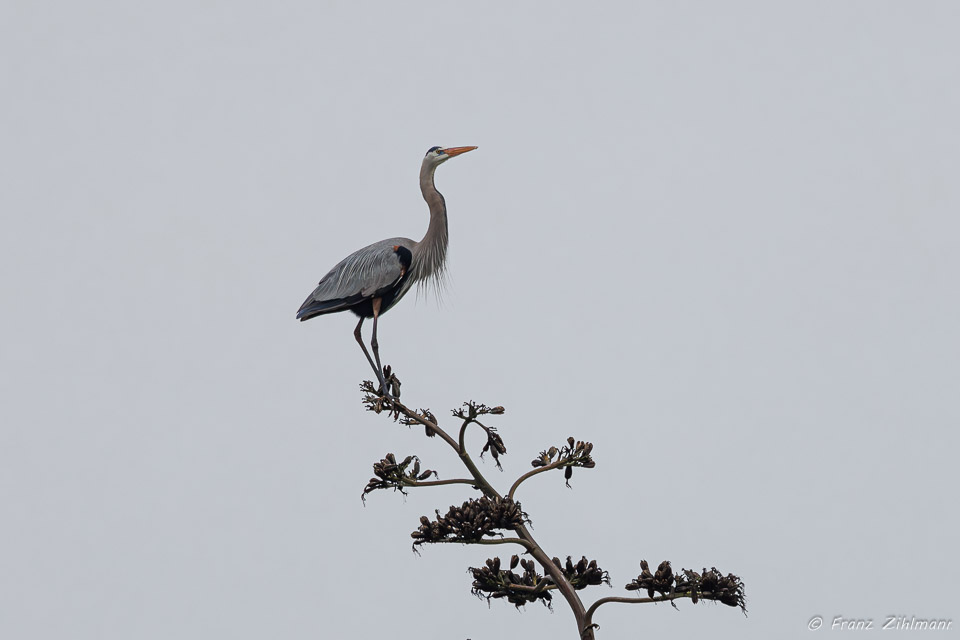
(416, 417)
(706, 595)
(523, 543)
(437, 483)
(530, 474)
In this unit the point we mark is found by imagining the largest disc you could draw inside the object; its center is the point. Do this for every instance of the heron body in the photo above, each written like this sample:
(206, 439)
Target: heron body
(381, 270)
(371, 280)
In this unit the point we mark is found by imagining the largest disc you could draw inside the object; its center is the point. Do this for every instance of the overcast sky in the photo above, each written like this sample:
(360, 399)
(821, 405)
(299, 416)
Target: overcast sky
(718, 240)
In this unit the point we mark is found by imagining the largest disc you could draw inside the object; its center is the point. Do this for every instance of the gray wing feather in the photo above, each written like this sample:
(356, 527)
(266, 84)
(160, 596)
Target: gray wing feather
(363, 272)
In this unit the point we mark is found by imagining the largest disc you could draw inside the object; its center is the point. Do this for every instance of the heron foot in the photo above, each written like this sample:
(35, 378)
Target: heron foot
(375, 399)
(392, 389)
(384, 396)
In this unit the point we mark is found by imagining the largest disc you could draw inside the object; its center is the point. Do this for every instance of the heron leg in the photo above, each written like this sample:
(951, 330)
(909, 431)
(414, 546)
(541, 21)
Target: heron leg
(373, 341)
(359, 337)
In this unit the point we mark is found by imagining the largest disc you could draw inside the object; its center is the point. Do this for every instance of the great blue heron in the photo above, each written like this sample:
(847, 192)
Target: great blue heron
(370, 281)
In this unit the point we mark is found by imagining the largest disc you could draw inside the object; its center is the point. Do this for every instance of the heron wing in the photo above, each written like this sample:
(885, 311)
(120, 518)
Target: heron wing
(366, 273)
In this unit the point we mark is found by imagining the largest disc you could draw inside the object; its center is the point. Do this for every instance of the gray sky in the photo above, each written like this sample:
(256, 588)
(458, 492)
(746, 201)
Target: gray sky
(718, 241)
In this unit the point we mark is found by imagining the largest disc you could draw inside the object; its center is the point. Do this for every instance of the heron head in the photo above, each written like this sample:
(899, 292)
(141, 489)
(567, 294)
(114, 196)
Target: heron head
(438, 155)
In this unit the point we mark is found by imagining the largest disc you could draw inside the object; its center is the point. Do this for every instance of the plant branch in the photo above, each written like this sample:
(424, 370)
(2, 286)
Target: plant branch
(463, 434)
(552, 570)
(432, 426)
(523, 543)
(540, 588)
(482, 482)
(588, 621)
(437, 483)
(530, 474)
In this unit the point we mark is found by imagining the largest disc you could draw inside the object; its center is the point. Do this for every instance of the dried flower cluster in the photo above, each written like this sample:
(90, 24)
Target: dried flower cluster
(426, 415)
(376, 399)
(475, 409)
(469, 413)
(491, 581)
(390, 474)
(582, 574)
(471, 521)
(575, 453)
(707, 585)
(494, 445)
(661, 581)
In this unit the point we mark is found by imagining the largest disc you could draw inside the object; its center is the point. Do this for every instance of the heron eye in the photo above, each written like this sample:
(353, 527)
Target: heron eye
(440, 151)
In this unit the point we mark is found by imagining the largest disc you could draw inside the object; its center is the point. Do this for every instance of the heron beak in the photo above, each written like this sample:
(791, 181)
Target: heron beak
(455, 151)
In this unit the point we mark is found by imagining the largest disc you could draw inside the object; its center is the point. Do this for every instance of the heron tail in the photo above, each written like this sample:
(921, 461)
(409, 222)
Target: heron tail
(312, 308)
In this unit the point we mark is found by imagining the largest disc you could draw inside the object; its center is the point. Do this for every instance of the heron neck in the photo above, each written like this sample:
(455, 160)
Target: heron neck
(432, 250)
